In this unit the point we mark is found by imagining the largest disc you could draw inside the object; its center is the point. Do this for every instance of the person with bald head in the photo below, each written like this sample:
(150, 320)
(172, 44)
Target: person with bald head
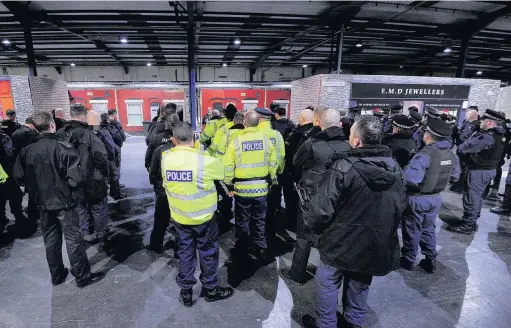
(250, 169)
(82, 131)
(294, 141)
(59, 118)
(310, 160)
(470, 125)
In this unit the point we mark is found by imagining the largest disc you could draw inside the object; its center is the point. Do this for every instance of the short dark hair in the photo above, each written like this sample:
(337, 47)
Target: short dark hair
(168, 109)
(369, 129)
(172, 122)
(112, 111)
(230, 110)
(182, 132)
(42, 120)
(238, 118)
(78, 110)
(105, 117)
(273, 106)
(281, 111)
(29, 120)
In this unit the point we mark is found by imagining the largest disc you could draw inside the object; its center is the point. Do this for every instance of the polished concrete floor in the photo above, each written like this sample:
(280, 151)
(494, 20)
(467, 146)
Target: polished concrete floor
(470, 289)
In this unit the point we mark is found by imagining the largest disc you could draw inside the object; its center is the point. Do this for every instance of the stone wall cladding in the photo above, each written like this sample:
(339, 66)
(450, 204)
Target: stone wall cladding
(483, 93)
(22, 98)
(48, 94)
(304, 92)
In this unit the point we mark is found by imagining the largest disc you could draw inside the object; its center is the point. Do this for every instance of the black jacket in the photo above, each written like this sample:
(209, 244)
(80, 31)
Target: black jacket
(155, 176)
(284, 126)
(9, 126)
(403, 147)
(93, 157)
(314, 153)
(7, 157)
(118, 126)
(23, 137)
(59, 123)
(159, 127)
(157, 140)
(112, 150)
(357, 210)
(295, 140)
(50, 170)
(117, 137)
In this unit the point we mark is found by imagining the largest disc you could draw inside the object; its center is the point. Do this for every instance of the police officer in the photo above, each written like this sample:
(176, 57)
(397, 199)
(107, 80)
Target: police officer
(114, 121)
(189, 176)
(311, 159)
(94, 161)
(379, 114)
(348, 120)
(250, 169)
(416, 117)
(418, 135)
(9, 124)
(161, 137)
(210, 130)
(481, 154)
(161, 204)
(427, 175)
(470, 125)
(401, 140)
(221, 131)
(54, 184)
(505, 207)
(394, 110)
(273, 224)
(206, 118)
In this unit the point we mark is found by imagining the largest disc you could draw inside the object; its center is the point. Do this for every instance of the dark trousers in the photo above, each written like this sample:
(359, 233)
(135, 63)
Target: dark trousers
(33, 212)
(113, 180)
(99, 213)
(161, 220)
(11, 192)
(477, 181)
(291, 200)
(250, 214)
(354, 298)
(419, 226)
(204, 239)
(300, 258)
(225, 210)
(53, 224)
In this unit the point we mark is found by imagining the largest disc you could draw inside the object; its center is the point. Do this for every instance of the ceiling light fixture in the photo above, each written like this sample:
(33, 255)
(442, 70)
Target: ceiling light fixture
(6, 42)
(401, 66)
(447, 50)
(124, 40)
(224, 64)
(73, 64)
(237, 42)
(479, 73)
(304, 66)
(358, 45)
(148, 64)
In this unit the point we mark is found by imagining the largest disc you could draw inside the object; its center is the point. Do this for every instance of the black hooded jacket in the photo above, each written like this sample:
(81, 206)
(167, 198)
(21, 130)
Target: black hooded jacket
(155, 177)
(23, 137)
(295, 140)
(284, 126)
(403, 146)
(59, 123)
(357, 210)
(158, 139)
(310, 159)
(9, 127)
(50, 169)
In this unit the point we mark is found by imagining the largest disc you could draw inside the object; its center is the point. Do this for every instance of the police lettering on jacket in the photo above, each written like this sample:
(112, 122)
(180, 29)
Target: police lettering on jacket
(179, 176)
(254, 145)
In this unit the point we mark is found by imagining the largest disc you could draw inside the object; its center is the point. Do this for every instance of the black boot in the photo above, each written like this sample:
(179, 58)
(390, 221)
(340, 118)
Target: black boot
(61, 279)
(464, 228)
(428, 264)
(217, 294)
(187, 297)
(93, 278)
(288, 274)
(309, 321)
(405, 264)
(505, 208)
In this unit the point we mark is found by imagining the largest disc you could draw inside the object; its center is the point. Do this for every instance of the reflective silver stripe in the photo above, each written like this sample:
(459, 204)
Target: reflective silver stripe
(238, 152)
(266, 150)
(251, 182)
(200, 171)
(278, 148)
(208, 210)
(229, 169)
(199, 195)
(250, 166)
(251, 191)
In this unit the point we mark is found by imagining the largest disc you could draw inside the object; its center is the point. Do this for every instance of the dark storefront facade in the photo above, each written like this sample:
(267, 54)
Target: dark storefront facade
(452, 99)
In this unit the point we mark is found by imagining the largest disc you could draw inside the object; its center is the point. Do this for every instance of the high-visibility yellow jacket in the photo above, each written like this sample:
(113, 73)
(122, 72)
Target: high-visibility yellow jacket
(210, 130)
(220, 132)
(277, 141)
(223, 142)
(250, 160)
(188, 178)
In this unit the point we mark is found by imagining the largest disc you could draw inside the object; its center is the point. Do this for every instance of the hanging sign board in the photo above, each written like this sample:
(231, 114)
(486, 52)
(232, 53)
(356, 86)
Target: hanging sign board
(408, 91)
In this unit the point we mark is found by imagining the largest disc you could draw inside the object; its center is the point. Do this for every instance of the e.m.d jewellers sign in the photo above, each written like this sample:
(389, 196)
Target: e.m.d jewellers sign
(408, 91)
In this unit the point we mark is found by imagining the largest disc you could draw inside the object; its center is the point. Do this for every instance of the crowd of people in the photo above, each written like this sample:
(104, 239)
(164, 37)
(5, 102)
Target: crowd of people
(349, 182)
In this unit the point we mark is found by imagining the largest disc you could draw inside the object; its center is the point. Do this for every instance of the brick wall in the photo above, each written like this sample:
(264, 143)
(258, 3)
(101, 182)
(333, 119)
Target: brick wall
(483, 93)
(305, 92)
(49, 94)
(20, 90)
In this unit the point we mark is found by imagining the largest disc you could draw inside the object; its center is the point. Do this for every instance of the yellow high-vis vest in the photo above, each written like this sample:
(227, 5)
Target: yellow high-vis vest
(210, 130)
(224, 141)
(220, 132)
(277, 141)
(250, 160)
(188, 178)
